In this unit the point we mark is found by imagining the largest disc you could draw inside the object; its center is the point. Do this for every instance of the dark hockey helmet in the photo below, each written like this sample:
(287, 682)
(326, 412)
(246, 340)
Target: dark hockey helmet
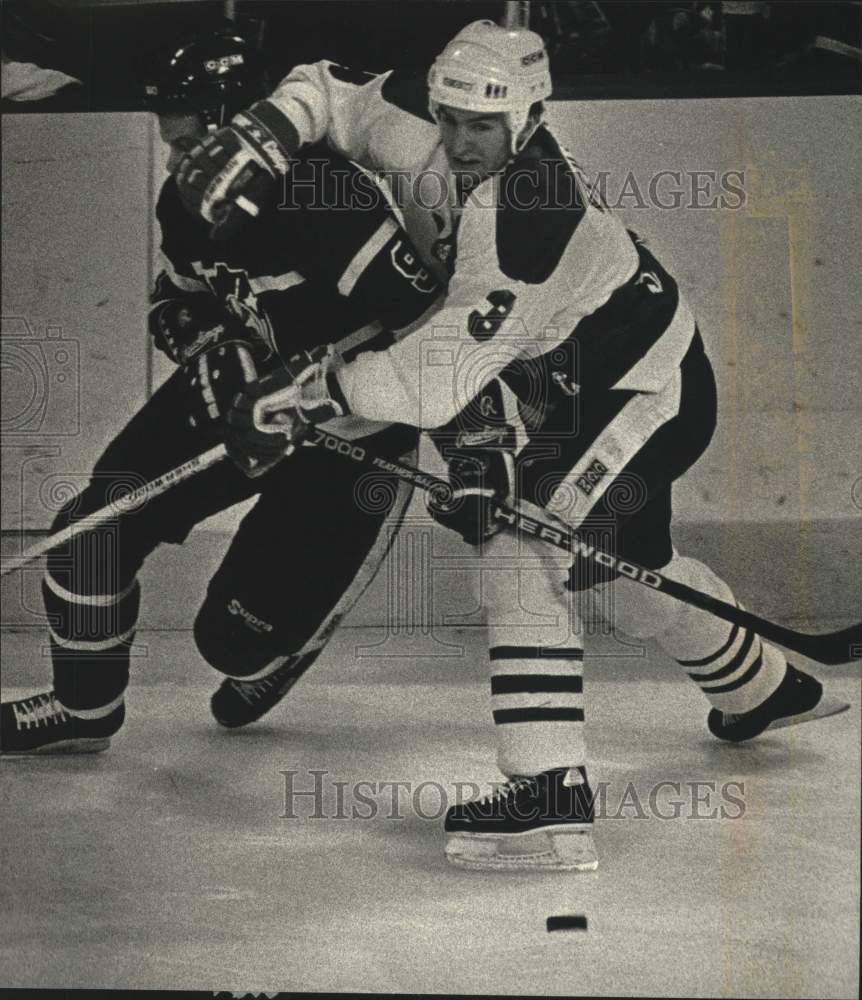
(214, 74)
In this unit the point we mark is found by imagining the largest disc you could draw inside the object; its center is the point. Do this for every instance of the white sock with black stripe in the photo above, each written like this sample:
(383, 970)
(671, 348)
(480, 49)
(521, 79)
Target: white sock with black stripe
(735, 669)
(740, 675)
(538, 708)
(536, 662)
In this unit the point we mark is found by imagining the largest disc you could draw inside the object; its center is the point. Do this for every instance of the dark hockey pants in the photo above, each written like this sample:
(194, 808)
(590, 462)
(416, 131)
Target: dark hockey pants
(311, 542)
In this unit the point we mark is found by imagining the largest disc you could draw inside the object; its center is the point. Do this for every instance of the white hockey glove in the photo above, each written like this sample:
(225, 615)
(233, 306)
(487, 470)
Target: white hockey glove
(272, 415)
(481, 473)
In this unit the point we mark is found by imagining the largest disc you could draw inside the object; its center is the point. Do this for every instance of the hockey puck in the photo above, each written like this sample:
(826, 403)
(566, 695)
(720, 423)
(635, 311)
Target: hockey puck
(567, 922)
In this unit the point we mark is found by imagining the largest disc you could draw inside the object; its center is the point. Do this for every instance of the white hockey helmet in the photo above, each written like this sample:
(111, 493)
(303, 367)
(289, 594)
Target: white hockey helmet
(489, 68)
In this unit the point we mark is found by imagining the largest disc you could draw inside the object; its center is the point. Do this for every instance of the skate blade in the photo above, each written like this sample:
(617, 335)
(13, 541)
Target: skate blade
(67, 747)
(543, 850)
(822, 710)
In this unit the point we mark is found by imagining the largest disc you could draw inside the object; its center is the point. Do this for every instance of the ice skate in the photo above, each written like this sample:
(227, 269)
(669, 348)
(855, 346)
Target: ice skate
(40, 725)
(543, 823)
(799, 698)
(237, 703)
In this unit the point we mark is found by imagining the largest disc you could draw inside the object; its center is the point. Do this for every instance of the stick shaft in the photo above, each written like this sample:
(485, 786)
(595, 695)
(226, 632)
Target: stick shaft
(830, 648)
(126, 503)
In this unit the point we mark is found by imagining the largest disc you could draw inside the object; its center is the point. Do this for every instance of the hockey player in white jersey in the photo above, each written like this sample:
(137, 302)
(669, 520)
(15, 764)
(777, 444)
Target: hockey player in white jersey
(548, 292)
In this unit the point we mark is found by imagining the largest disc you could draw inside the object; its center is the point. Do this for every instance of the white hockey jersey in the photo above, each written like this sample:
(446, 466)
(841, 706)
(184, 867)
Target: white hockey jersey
(547, 288)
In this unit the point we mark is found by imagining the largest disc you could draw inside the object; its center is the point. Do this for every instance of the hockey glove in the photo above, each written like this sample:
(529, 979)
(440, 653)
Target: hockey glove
(183, 327)
(187, 326)
(231, 175)
(215, 378)
(481, 472)
(272, 416)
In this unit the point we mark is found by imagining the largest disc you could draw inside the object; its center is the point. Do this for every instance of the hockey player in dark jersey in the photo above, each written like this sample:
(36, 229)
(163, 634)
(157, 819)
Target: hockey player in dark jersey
(303, 274)
(549, 292)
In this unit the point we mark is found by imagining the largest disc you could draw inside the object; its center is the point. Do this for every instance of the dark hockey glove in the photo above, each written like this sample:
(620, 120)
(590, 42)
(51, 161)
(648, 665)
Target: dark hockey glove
(183, 328)
(481, 472)
(231, 175)
(215, 378)
(272, 415)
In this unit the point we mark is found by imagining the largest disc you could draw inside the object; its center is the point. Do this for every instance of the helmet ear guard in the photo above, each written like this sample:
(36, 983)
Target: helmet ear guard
(494, 70)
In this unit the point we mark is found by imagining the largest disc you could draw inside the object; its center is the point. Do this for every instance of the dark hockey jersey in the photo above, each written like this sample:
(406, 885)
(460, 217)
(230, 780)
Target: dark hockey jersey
(329, 259)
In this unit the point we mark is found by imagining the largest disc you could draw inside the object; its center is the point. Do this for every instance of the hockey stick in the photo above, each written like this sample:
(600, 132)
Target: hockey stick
(831, 648)
(126, 503)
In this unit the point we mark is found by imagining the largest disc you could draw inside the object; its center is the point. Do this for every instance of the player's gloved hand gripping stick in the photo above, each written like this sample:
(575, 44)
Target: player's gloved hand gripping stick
(265, 419)
(272, 416)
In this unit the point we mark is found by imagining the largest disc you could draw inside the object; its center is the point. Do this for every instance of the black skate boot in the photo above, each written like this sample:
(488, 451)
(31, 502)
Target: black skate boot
(40, 725)
(543, 822)
(798, 698)
(237, 703)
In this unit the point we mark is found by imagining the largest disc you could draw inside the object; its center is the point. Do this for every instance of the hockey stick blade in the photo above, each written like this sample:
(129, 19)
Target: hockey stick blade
(830, 648)
(123, 505)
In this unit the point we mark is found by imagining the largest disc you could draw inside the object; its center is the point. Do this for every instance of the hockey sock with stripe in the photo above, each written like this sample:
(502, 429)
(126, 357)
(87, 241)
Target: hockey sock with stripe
(735, 669)
(91, 635)
(535, 659)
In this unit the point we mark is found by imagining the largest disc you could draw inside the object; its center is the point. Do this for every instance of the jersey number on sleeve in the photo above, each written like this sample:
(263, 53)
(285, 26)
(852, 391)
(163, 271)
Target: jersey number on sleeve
(483, 327)
(405, 262)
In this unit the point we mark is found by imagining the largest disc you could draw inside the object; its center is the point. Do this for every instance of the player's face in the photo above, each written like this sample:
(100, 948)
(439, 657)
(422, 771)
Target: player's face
(476, 143)
(180, 133)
